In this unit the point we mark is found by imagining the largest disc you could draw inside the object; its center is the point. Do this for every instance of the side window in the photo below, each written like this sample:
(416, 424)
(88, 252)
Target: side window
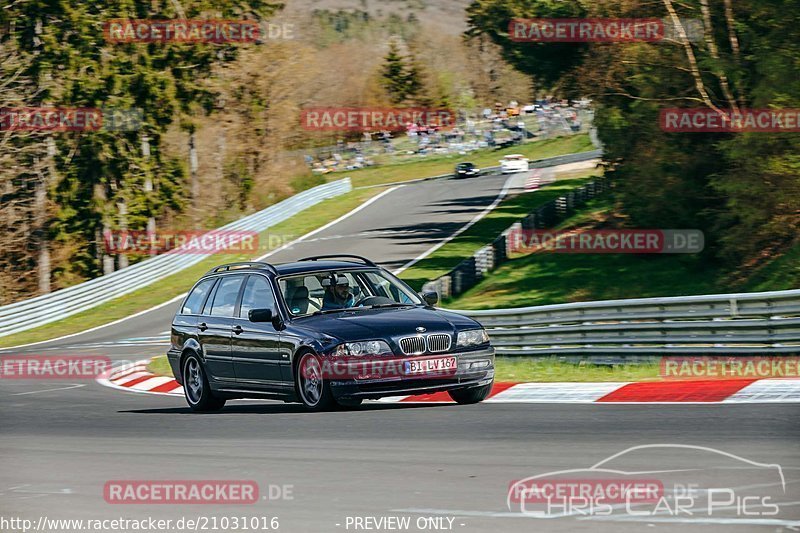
(194, 303)
(257, 295)
(225, 296)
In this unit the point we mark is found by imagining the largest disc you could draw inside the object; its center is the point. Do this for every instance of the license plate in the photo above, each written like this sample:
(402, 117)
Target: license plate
(439, 365)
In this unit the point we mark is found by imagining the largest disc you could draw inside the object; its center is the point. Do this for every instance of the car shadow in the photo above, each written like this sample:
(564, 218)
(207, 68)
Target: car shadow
(282, 409)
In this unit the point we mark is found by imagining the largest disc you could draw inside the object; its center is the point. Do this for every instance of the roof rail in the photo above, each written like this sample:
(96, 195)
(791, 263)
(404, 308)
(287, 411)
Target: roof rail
(332, 256)
(243, 264)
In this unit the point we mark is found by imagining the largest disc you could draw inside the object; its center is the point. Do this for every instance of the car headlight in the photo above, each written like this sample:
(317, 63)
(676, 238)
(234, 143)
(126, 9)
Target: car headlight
(472, 337)
(361, 348)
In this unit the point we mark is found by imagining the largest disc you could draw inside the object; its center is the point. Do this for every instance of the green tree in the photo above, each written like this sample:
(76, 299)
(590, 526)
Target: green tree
(104, 179)
(401, 77)
(741, 189)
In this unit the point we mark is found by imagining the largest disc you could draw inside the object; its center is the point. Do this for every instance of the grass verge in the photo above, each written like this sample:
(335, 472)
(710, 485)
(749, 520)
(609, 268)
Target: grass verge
(159, 366)
(551, 370)
(549, 278)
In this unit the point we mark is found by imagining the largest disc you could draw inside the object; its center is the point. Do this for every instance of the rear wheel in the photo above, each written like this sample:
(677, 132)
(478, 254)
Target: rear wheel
(196, 389)
(471, 395)
(313, 390)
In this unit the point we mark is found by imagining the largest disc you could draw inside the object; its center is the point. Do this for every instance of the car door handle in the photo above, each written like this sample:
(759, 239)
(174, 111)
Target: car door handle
(202, 326)
(238, 329)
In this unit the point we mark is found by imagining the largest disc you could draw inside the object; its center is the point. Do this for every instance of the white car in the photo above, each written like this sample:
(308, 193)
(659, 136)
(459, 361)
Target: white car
(513, 163)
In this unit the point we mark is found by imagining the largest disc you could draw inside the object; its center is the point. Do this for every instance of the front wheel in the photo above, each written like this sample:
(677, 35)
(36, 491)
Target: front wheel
(471, 395)
(313, 390)
(196, 389)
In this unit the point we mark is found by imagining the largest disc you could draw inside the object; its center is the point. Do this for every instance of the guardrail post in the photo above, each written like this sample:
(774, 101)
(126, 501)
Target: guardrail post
(463, 276)
(529, 222)
(500, 248)
(509, 241)
(561, 205)
(445, 283)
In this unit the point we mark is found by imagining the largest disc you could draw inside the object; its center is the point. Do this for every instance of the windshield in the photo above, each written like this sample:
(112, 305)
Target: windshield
(335, 290)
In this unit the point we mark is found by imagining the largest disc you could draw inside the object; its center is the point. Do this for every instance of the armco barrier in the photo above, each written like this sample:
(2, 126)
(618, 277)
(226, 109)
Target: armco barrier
(735, 324)
(48, 308)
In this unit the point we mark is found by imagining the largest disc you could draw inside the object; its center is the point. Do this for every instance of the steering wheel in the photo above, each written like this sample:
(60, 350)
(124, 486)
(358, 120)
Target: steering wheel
(373, 300)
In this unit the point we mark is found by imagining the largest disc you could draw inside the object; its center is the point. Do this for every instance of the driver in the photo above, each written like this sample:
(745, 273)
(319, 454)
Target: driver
(338, 295)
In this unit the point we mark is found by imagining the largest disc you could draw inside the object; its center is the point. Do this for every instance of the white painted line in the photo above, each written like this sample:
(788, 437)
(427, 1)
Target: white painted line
(460, 230)
(76, 386)
(329, 224)
(90, 330)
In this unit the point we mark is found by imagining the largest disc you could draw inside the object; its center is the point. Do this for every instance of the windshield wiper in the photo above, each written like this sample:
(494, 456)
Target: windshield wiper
(393, 304)
(327, 311)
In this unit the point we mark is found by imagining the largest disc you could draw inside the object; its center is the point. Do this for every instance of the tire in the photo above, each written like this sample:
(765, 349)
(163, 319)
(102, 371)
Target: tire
(313, 390)
(196, 389)
(471, 395)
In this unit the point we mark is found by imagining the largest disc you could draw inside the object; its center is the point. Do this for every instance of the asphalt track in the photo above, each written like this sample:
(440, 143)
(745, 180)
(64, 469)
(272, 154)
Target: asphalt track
(61, 441)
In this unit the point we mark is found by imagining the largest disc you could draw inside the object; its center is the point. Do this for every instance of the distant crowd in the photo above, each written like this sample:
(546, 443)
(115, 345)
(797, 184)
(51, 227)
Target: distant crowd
(500, 127)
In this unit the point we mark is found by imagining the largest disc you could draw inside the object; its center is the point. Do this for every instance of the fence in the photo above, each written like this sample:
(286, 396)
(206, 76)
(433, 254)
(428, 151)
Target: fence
(765, 323)
(470, 271)
(57, 305)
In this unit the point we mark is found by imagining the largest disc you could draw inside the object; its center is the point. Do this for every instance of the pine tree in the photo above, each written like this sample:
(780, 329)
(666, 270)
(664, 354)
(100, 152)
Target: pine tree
(394, 75)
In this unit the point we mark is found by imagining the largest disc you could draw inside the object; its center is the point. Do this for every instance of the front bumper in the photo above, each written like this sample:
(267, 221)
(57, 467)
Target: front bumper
(468, 375)
(174, 358)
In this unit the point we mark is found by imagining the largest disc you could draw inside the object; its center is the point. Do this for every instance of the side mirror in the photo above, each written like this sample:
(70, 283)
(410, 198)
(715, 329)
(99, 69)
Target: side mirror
(260, 315)
(430, 297)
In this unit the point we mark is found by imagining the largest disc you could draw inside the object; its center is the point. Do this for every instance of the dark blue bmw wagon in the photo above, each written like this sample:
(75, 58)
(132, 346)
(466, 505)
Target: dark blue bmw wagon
(325, 331)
